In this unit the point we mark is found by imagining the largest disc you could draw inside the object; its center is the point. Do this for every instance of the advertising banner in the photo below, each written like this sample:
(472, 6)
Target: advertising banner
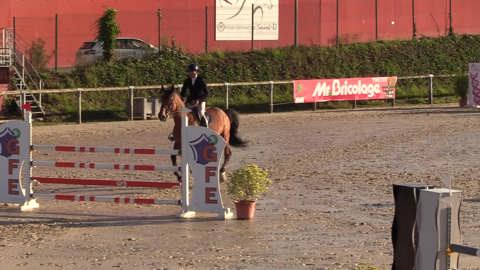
(233, 19)
(307, 91)
(473, 93)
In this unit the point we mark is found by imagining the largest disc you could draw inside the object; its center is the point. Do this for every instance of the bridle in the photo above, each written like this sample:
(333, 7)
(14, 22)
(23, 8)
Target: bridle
(170, 106)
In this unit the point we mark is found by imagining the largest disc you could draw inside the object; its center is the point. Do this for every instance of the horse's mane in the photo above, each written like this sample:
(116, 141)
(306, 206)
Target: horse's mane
(171, 92)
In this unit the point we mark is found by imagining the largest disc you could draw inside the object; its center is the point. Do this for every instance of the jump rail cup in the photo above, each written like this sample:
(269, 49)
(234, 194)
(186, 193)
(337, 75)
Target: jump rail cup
(202, 153)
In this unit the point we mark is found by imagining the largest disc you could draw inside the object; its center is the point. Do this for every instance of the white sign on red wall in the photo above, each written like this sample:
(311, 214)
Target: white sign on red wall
(233, 19)
(306, 91)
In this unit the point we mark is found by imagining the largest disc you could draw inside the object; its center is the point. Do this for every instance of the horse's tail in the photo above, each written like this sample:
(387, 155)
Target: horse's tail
(235, 139)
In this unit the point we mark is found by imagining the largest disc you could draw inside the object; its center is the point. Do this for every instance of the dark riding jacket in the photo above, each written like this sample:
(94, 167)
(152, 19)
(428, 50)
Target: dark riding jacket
(198, 91)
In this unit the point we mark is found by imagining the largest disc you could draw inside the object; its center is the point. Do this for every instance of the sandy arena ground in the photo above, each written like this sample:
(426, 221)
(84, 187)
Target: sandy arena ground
(330, 207)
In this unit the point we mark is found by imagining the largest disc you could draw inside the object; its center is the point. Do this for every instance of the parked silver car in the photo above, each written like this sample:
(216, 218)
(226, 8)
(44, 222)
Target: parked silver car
(92, 51)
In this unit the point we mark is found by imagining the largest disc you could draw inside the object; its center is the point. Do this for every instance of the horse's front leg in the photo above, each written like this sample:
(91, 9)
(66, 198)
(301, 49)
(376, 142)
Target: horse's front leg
(223, 170)
(173, 158)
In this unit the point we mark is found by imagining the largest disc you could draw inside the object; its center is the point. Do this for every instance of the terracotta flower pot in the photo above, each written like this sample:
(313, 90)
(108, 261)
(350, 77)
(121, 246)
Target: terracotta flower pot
(245, 209)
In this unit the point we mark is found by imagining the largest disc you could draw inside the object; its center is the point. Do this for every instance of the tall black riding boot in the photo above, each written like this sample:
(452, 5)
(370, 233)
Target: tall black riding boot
(204, 122)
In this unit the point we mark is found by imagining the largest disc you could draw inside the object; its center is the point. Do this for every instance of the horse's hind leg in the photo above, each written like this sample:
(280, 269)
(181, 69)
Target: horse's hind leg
(228, 154)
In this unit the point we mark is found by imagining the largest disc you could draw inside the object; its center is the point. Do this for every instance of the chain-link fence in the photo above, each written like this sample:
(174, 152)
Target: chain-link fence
(194, 26)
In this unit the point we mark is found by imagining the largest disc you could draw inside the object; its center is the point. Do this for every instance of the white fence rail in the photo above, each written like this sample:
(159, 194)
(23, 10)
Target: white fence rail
(227, 89)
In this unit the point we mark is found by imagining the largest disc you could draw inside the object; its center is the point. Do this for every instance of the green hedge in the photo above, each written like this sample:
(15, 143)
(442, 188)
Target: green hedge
(447, 55)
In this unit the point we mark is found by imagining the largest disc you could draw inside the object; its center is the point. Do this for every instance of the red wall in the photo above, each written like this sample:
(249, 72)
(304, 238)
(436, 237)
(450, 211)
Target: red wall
(184, 22)
(431, 17)
(395, 19)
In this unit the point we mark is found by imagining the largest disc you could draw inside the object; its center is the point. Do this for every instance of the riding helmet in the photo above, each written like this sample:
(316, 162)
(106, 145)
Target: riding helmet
(193, 67)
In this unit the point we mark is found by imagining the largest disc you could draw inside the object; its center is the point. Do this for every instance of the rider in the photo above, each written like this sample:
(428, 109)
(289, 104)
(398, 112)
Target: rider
(194, 93)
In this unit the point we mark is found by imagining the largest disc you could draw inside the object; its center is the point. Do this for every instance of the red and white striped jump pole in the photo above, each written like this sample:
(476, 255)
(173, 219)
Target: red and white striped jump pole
(184, 202)
(104, 149)
(106, 182)
(99, 165)
(110, 199)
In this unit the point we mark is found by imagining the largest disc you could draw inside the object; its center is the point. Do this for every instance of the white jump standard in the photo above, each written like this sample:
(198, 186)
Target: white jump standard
(202, 151)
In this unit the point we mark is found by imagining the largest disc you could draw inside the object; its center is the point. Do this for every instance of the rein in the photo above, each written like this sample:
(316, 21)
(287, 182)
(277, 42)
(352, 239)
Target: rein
(170, 110)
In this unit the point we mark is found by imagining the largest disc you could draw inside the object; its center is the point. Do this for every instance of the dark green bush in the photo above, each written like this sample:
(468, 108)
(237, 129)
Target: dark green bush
(461, 86)
(447, 55)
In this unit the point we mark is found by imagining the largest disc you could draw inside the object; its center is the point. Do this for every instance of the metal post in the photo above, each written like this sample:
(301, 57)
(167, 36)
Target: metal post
(414, 27)
(14, 39)
(320, 23)
(295, 23)
(22, 83)
(28, 177)
(271, 96)
(450, 29)
(449, 232)
(40, 84)
(431, 88)
(338, 21)
(206, 29)
(79, 102)
(226, 95)
(56, 42)
(185, 166)
(391, 93)
(253, 25)
(159, 23)
(24, 98)
(130, 88)
(376, 19)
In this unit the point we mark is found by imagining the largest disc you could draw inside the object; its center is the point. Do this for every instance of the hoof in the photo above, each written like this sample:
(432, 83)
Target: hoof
(179, 177)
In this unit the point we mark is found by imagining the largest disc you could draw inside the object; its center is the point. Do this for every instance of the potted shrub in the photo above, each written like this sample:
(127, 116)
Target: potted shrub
(461, 88)
(245, 186)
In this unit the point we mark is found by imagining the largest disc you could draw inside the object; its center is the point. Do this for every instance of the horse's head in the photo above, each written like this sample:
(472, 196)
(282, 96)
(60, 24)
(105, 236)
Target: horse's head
(171, 103)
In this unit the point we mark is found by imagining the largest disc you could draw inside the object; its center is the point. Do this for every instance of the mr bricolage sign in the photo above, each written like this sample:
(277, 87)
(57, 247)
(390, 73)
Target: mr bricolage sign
(322, 90)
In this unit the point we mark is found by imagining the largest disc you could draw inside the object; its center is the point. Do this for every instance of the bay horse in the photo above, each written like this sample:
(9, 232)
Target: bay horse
(223, 122)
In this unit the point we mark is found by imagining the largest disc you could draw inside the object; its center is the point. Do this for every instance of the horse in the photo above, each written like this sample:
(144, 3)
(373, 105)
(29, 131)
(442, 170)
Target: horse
(223, 122)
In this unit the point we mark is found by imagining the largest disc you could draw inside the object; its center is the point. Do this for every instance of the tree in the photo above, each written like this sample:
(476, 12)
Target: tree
(37, 55)
(108, 31)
